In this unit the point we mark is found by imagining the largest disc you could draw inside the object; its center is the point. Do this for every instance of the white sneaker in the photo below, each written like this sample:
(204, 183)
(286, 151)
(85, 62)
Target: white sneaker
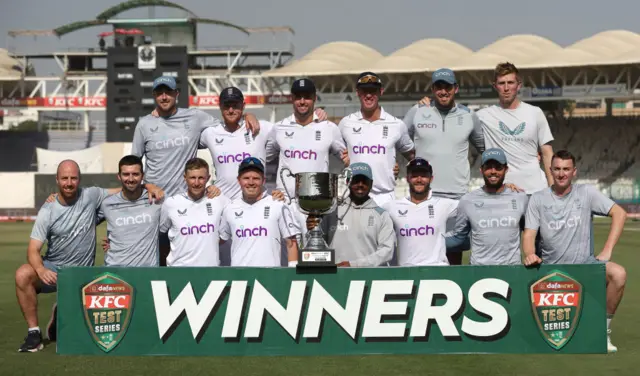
(610, 347)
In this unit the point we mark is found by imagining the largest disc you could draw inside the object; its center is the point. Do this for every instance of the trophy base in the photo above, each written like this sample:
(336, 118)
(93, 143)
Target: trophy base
(315, 259)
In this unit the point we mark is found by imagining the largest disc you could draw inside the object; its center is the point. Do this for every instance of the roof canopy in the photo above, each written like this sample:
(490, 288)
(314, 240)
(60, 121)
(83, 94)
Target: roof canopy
(525, 51)
(104, 17)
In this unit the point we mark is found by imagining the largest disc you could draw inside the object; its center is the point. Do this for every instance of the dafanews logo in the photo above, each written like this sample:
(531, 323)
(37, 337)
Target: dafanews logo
(556, 302)
(108, 304)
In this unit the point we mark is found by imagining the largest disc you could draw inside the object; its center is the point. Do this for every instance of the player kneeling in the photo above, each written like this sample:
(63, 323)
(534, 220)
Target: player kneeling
(564, 215)
(256, 222)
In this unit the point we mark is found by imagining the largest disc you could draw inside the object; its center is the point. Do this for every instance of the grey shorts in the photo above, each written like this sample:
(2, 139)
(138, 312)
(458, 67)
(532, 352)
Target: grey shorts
(593, 260)
(45, 288)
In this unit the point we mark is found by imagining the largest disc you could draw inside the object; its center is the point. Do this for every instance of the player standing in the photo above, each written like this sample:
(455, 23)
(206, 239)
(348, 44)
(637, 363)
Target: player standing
(420, 220)
(372, 136)
(442, 131)
(256, 223)
(520, 129)
(132, 221)
(492, 215)
(302, 143)
(563, 214)
(231, 143)
(192, 220)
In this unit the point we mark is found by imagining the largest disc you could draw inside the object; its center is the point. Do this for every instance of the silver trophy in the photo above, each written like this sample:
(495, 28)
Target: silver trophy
(316, 194)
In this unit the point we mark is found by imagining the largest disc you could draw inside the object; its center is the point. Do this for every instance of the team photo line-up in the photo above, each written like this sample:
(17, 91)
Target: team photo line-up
(166, 213)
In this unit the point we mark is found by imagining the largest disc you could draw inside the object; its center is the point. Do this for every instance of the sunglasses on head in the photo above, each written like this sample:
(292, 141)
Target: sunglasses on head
(369, 79)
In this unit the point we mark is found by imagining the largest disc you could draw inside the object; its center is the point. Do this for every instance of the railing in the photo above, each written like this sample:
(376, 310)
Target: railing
(61, 125)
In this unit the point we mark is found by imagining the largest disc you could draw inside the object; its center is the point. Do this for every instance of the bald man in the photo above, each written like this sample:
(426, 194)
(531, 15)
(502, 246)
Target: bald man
(68, 225)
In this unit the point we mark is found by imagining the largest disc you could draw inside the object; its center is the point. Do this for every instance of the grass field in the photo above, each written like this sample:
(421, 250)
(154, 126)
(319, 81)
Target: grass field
(626, 335)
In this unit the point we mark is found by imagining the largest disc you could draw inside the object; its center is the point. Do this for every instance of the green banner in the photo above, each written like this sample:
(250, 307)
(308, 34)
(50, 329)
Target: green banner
(278, 311)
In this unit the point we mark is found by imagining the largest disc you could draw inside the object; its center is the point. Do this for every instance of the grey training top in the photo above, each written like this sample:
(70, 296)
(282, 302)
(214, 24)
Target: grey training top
(132, 230)
(443, 140)
(365, 237)
(70, 231)
(566, 223)
(168, 143)
(494, 223)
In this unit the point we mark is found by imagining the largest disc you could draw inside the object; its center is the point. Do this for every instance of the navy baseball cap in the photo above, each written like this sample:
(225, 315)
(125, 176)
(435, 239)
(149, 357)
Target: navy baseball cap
(303, 85)
(251, 163)
(167, 81)
(444, 75)
(231, 94)
(361, 168)
(494, 154)
(419, 164)
(369, 80)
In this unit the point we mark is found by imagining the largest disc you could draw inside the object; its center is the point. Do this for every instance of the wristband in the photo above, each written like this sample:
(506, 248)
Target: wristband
(293, 263)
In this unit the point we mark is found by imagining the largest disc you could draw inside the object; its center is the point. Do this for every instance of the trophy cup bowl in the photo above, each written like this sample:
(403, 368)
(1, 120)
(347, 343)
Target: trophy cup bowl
(316, 194)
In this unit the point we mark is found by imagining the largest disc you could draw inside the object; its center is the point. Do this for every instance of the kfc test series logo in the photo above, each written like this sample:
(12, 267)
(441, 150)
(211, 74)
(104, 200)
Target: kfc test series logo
(556, 303)
(108, 305)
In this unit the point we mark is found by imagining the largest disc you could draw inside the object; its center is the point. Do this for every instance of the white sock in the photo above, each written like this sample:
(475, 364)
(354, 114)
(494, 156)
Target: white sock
(34, 328)
(609, 318)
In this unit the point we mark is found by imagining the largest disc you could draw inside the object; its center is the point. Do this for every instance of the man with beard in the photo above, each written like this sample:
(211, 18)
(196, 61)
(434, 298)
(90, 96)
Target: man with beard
(132, 221)
(442, 132)
(492, 214)
(256, 223)
(68, 226)
(360, 231)
(302, 143)
(420, 220)
(563, 213)
(373, 136)
(192, 221)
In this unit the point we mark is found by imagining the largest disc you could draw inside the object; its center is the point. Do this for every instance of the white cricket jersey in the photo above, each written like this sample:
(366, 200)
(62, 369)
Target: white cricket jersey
(376, 144)
(520, 133)
(257, 230)
(228, 149)
(303, 148)
(193, 228)
(420, 229)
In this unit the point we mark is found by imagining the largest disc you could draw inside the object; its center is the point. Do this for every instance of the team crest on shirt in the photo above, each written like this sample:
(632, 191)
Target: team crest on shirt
(182, 212)
(432, 213)
(318, 136)
(209, 209)
(371, 221)
(267, 209)
(238, 215)
(247, 138)
(385, 131)
(402, 213)
(460, 120)
(186, 125)
(514, 204)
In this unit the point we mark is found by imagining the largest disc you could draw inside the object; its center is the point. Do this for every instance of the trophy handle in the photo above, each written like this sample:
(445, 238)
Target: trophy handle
(345, 174)
(284, 185)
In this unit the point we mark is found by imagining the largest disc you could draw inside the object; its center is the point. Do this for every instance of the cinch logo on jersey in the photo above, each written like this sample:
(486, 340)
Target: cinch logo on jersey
(300, 154)
(198, 229)
(366, 149)
(556, 301)
(498, 222)
(233, 158)
(417, 231)
(134, 220)
(251, 232)
(572, 222)
(427, 125)
(107, 303)
(171, 143)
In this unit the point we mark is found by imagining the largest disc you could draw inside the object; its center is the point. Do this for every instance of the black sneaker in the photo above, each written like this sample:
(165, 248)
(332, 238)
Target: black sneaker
(52, 326)
(32, 342)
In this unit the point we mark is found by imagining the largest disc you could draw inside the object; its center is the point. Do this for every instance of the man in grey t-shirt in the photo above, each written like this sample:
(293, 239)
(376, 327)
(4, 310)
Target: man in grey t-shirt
(68, 226)
(132, 221)
(492, 215)
(563, 214)
(442, 132)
